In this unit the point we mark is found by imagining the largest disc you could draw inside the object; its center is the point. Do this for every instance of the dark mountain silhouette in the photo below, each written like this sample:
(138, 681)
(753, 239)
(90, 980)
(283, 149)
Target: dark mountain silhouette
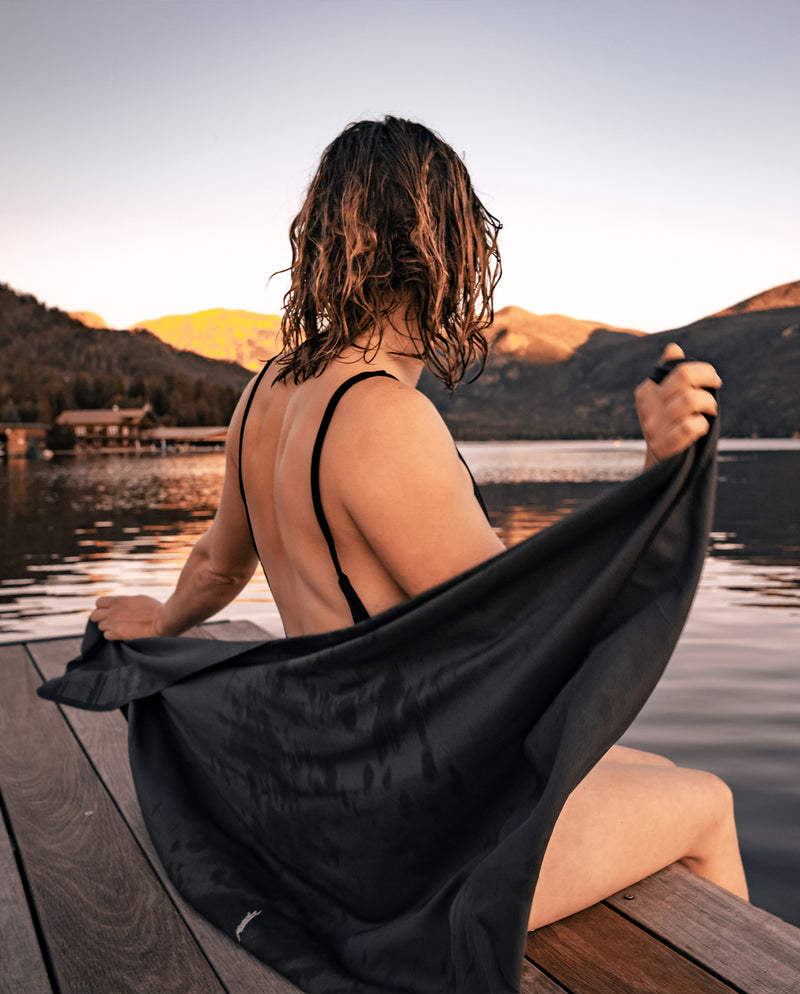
(50, 362)
(548, 377)
(590, 394)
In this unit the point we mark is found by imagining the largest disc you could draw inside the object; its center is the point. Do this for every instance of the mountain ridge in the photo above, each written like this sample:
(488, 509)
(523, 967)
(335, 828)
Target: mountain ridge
(549, 376)
(785, 295)
(50, 362)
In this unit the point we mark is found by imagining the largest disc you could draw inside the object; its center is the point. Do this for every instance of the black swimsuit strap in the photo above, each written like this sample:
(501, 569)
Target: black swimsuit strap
(478, 495)
(259, 378)
(354, 602)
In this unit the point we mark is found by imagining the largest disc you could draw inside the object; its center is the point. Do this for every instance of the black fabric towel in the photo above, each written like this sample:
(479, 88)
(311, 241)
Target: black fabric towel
(367, 810)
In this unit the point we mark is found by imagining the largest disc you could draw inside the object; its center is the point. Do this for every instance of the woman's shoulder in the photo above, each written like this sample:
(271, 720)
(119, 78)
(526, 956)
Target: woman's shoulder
(395, 470)
(382, 413)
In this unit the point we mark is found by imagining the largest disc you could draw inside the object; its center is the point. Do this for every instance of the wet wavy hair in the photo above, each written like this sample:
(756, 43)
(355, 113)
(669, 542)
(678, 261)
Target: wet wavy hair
(390, 224)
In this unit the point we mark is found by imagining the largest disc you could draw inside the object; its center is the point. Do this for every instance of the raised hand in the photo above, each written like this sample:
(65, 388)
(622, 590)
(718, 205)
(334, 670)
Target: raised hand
(672, 413)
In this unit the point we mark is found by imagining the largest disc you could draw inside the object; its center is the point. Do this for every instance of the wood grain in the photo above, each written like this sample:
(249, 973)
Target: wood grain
(536, 982)
(104, 737)
(746, 946)
(97, 893)
(246, 631)
(21, 965)
(601, 951)
(108, 924)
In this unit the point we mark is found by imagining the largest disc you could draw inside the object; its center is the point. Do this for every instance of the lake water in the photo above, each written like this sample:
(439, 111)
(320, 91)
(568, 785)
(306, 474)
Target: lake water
(73, 529)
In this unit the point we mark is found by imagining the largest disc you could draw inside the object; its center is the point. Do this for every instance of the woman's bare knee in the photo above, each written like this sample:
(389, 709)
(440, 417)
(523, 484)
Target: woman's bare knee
(627, 820)
(625, 754)
(715, 850)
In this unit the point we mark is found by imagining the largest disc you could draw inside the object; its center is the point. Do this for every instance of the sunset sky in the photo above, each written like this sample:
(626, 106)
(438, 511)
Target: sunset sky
(643, 155)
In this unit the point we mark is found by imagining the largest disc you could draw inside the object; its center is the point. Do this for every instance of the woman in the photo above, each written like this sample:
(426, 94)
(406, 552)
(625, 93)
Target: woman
(394, 264)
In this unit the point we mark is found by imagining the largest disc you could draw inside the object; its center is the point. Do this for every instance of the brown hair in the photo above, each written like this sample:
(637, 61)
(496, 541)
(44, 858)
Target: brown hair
(390, 223)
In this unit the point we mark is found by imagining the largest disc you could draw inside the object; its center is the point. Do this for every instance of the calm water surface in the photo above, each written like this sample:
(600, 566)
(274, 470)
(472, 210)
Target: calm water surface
(73, 529)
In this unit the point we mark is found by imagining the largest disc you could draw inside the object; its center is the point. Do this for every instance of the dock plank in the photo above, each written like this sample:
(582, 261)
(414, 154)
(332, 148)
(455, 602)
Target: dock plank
(246, 631)
(600, 950)
(536, 982)
(748, 947)
(108, 925)
(104, 737)
(21, 964)
(671, 934)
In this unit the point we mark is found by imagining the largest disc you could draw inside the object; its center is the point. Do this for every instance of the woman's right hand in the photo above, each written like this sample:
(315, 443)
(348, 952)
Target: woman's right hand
(127, 617)
(673, 413)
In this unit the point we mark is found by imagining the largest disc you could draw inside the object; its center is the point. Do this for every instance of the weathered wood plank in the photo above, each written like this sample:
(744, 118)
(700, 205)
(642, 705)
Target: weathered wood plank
(599, 950)
(536, 982)
(246, 631)
(198, 632)
(746, 946)
(107, 923)
(603, 949)
(104, 737)
(21, 964)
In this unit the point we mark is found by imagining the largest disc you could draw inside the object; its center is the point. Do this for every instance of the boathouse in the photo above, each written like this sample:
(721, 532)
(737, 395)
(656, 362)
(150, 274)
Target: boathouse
(117, 427)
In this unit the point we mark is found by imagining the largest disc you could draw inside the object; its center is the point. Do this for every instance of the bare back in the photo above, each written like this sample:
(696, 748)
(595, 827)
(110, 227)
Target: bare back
(386, 499)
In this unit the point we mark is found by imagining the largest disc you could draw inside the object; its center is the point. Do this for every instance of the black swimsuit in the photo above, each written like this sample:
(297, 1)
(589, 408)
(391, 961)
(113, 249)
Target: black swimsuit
(354, 602)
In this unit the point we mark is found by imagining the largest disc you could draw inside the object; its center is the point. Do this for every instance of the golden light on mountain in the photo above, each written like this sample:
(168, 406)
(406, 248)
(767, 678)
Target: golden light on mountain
(785, 295)
(89, 318)
(542, 338)
(245, 337)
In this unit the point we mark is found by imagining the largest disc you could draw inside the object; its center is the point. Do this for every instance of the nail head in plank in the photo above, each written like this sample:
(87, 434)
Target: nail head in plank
(747, 946)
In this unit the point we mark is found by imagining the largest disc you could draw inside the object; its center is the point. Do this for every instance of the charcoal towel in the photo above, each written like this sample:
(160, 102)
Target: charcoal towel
(367, 810)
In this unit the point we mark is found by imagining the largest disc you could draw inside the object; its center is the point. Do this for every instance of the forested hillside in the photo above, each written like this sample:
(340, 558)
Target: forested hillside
(590, 395)
(50, 362)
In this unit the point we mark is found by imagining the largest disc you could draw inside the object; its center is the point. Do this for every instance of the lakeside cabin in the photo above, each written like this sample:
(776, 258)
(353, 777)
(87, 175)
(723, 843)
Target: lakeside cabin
(117, 427)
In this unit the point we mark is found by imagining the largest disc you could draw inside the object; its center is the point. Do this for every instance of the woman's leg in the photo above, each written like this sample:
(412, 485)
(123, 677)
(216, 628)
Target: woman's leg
(628, 818)
(624, 754)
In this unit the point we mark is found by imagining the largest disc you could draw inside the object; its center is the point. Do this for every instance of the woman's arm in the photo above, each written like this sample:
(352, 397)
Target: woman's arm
(218, 568)
(673, 413)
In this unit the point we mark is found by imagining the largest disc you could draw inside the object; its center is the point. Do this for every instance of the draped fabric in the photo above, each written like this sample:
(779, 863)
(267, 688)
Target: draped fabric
(367, 809)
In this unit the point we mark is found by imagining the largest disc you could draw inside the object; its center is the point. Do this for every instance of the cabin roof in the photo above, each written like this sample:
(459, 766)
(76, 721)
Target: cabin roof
(108, 416)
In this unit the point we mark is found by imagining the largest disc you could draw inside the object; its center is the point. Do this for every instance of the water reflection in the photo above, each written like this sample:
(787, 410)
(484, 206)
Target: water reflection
(756, 517)
(73, 529)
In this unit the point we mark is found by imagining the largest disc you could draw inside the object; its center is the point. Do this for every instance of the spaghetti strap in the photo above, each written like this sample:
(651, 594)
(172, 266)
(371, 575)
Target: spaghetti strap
(256, 385)
(475, 490)
(354, 602)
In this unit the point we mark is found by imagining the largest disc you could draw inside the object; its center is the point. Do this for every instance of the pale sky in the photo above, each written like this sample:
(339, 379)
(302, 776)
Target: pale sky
(643, 155)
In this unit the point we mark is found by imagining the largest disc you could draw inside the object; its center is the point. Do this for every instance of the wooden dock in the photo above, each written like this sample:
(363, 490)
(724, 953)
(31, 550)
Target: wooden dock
(85, 906)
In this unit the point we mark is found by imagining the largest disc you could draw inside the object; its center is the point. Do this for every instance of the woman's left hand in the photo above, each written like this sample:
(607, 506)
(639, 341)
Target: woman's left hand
(127, 617)
(673, 413)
